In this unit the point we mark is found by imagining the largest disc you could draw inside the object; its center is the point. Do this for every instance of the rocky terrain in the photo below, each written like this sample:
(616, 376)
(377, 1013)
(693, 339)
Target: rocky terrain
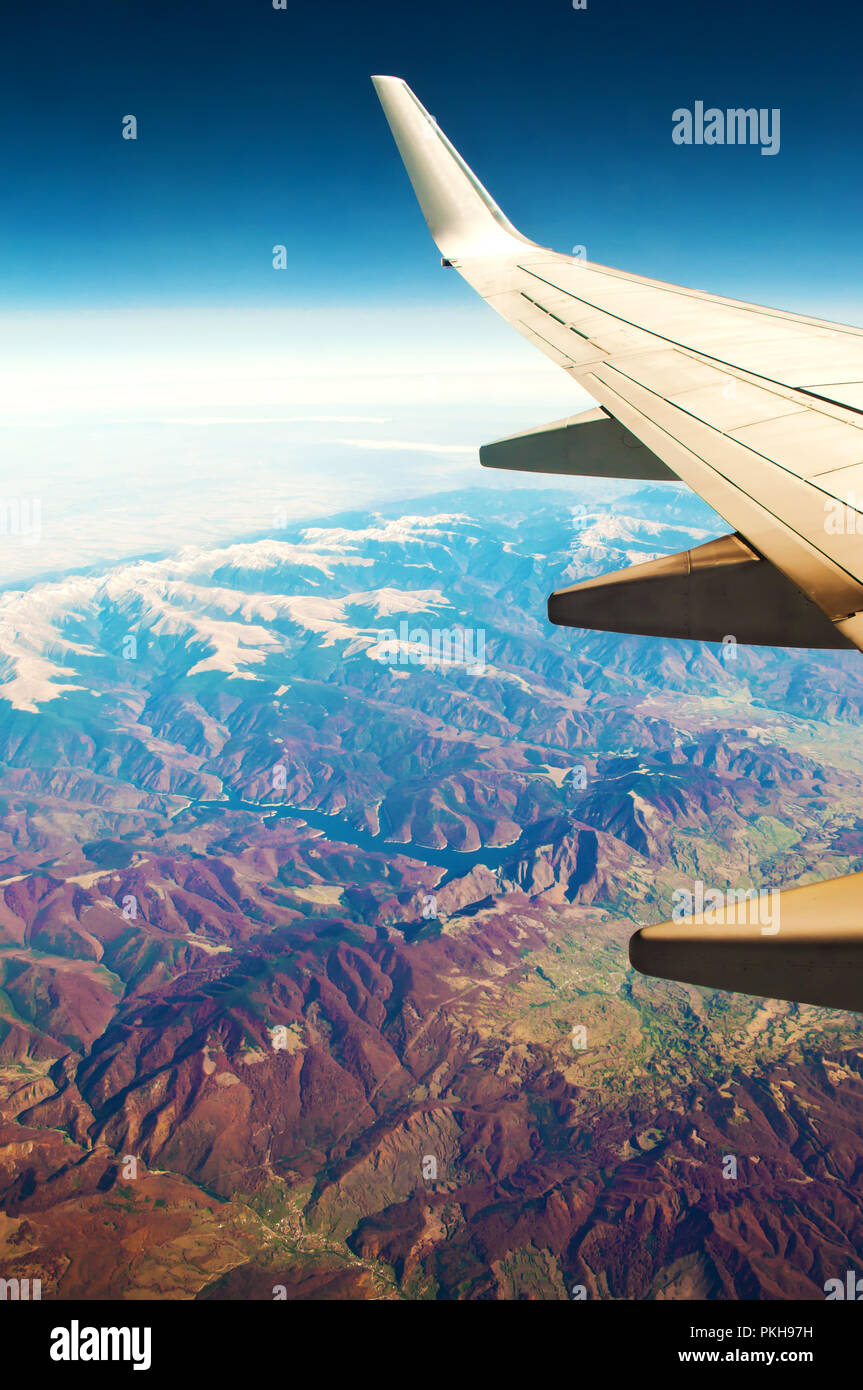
(313, 971)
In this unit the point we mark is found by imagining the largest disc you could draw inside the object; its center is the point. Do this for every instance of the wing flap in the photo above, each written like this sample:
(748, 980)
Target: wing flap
(778, 512)
(591, 444)
(707, 594)
(803, 944)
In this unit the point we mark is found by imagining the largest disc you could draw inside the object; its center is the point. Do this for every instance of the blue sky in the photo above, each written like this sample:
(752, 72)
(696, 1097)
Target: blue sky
(258, 126)
(137, 287)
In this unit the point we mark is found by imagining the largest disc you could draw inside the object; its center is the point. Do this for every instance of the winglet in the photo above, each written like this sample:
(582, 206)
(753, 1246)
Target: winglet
(462, 216)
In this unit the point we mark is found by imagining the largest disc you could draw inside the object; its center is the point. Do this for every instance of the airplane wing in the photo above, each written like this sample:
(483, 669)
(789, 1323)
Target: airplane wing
(760, 412)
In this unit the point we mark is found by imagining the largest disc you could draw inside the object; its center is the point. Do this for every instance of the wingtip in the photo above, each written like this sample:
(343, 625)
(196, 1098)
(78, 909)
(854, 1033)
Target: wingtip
(462, 216)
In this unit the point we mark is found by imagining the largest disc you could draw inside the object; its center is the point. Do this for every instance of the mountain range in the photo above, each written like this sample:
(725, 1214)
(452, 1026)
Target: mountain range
(313, 968)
